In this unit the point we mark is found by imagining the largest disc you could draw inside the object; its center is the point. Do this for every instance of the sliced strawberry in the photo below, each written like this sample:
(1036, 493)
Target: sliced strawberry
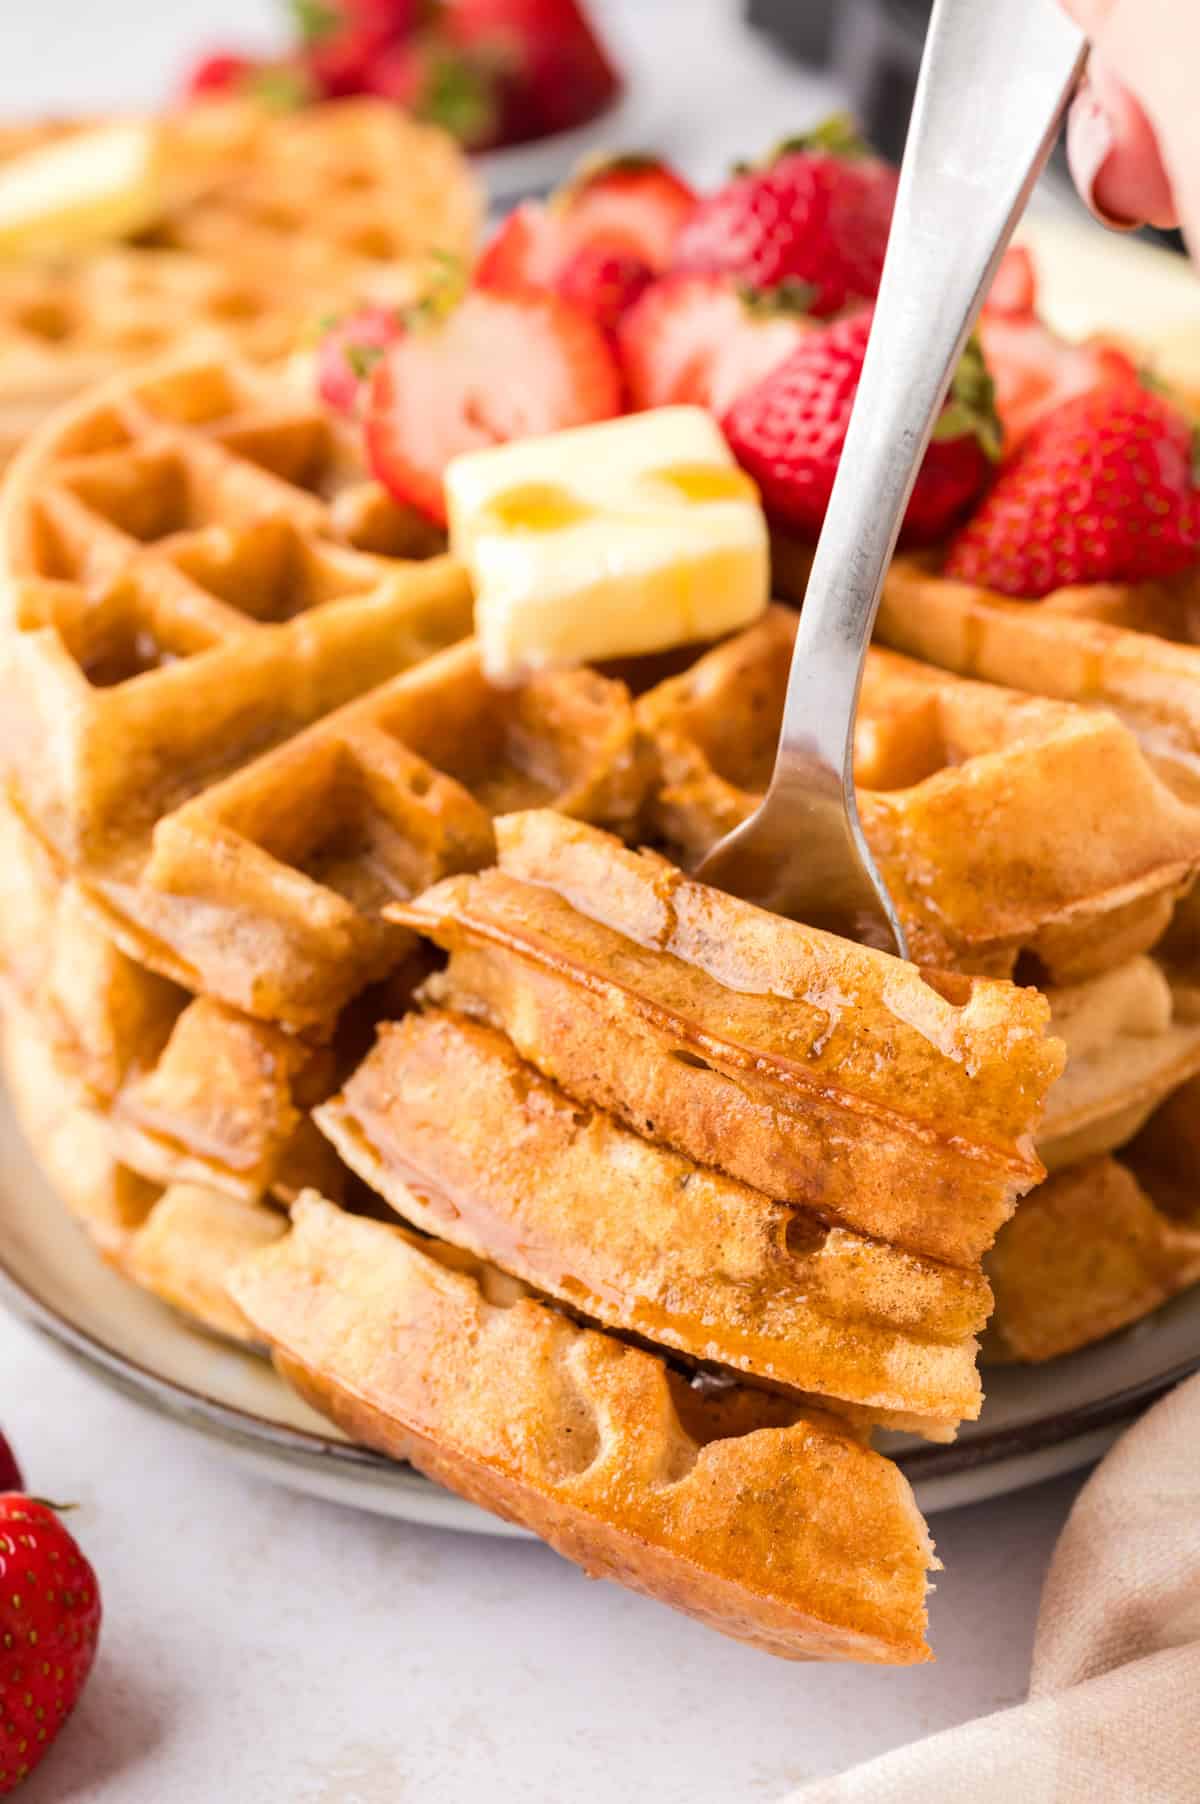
(527, 251)
(604, 281)
(698, 338)
(222, 72)
(349, 350)
(635, 198)
(497, 367)
(1034, 370)
(1014, 286)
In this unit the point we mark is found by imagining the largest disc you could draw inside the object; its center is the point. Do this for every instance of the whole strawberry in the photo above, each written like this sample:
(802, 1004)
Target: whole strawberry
(788, 432)
(1102, 490)
(49, 1627)
(817, 213)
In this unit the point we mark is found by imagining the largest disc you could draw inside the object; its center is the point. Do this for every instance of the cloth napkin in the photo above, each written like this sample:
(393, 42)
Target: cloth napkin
(1113, 1715)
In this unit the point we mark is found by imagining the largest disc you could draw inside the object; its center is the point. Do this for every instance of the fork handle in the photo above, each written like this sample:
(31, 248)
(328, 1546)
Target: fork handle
(995, 81)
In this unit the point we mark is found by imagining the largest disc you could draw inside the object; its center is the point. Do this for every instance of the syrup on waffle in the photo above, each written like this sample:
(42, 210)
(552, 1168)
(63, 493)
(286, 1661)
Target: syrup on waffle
(597, 1446)
(1003, 823)
(825, 1075)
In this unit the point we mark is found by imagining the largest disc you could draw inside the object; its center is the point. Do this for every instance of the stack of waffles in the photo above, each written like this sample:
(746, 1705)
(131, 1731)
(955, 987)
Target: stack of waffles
(351, 1015)
(260, 224)
(1030, 835)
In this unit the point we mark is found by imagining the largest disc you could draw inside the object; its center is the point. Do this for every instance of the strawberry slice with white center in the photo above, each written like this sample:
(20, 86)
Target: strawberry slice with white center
(703, 339)
(496, 367)
(1034, 370)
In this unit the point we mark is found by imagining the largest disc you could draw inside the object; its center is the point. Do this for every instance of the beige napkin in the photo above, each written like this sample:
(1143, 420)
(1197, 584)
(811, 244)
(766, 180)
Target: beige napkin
(1114, 1698)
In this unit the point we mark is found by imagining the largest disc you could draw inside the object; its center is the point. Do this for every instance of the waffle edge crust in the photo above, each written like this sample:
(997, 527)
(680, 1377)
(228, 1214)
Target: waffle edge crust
(795, 1538)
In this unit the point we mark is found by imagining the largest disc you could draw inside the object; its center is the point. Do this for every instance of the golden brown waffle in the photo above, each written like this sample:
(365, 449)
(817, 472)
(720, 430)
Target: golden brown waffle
(773, 1526)
(351, 197)
(179, 1243)
(1003, 824)
(1128, 1047)
(67, 325)
(1089, 1252)
(187, 597)
(285, 218)
(468, 1142)
(448, 1122)
(1134, 648)
(829, 1076)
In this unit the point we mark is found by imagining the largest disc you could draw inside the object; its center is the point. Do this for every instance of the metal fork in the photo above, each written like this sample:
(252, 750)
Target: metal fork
(995, 80)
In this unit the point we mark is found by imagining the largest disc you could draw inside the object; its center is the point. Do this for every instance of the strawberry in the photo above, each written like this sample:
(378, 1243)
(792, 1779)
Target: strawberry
(1103, 489)
(1034, 370)
(630, 207)
(49, 1627)
(702, 338)
(560, 71)
(788, 432)
(604, 280)
(10, 1472)
(818, 213)
(435, 80)
(494, 367)
(342, 40)
(1014, 285)
(350, 348)
(221, 72)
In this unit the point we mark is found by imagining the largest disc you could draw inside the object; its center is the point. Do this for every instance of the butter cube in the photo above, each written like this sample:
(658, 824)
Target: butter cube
(607, 541)
(93, 187)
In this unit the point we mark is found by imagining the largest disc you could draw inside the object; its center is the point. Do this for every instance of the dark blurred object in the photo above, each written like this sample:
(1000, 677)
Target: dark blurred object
(872, 48)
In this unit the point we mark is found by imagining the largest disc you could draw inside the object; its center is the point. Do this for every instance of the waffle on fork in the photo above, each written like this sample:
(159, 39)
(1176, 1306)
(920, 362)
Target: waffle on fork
(1003, 824)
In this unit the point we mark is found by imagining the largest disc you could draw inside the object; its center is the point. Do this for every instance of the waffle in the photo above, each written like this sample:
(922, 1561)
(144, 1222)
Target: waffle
(452, 1126)
(1088, 1253)
(350, 196)
(1003, 824)
(787, 1533)
(186, 600)
(1133, 648)
(67, 325)
(1129, 1046)
(660, 1001)
(179, 1243)
(268, 222)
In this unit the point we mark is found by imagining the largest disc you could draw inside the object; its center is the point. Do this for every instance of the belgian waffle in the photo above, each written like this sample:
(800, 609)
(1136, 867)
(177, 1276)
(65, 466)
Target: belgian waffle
(599, 1447)
(351, 195)
(460, 1133)
(1003, 824)
(1093, 1250)
(268, 221)
(1132, 648)
(180, 1242)
(188, 594)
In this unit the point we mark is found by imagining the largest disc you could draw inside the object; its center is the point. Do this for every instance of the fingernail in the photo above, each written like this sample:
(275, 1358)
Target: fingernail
(1090, 143)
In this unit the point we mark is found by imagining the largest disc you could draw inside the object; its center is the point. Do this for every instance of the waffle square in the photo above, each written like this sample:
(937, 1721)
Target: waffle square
(1003, 824)
(767, 1522)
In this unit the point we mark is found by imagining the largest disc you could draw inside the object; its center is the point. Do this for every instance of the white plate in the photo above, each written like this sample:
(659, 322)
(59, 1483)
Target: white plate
(1037, 1422)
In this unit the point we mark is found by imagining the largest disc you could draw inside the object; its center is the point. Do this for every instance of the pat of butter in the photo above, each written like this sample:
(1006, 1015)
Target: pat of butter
(607, 541)
(93, 187)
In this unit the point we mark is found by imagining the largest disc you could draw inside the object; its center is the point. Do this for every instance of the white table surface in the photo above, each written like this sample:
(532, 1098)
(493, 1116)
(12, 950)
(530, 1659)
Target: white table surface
(261, 1648)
